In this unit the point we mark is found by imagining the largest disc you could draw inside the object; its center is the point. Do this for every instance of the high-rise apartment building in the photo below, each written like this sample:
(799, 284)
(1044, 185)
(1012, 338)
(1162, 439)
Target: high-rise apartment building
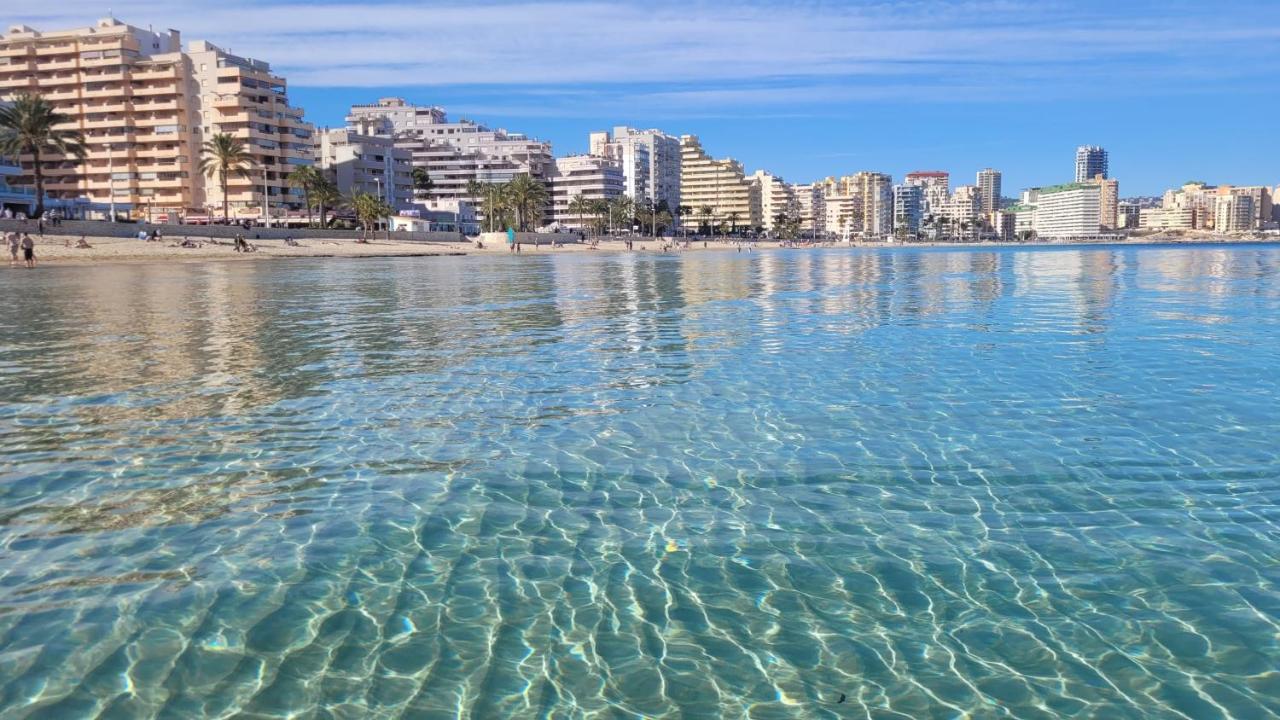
(1091, 161)
(811, 207)
(777, 199)
(875, 191)
(367, 163)
(936, 188)
(908, 208)
(1069, 211)
(1234, 213)
(963, 211)
(720, 186)
(989, 191)
(650, 161)
(1110, 202)
(453, 153)
(146, 107)
(129, 92)
(243, 98)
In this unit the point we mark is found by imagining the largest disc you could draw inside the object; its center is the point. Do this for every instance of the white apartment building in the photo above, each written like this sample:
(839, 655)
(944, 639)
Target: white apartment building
(843, 214)
(590, 176)
(453, 153)
(650, 161)
(1069, 211)
(1235, 213)
(367, 163)
(717, 191)
(776, 198)
(936, 188)
(989, 191)
(811, 207)
(963, 210)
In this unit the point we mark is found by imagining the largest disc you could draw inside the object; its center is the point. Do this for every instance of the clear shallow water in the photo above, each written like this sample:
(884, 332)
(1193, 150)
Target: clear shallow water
(1010, 483)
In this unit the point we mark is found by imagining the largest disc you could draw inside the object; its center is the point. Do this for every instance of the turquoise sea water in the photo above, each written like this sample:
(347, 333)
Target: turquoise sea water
(786, 484)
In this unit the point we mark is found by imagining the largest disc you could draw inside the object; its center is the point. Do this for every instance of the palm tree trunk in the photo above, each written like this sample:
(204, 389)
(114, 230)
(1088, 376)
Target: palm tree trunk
(306, 195)
(38, 173)
(226, 205)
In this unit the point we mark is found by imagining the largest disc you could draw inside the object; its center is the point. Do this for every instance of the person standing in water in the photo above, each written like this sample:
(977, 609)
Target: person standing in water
(28, 251)
(14, 240)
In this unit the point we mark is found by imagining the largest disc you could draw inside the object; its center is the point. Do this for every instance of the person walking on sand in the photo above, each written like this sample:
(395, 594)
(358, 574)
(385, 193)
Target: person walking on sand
(28, 251)
(511, 240)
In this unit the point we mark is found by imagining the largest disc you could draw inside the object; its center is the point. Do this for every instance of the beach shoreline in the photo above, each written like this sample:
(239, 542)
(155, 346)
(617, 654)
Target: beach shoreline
(60, 250)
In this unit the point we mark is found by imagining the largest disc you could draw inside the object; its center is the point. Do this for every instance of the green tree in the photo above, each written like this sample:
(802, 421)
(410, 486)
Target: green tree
(492, 200)
(306, 179)
(326, 195)
(621, 212)
(369, 209)
(580, 207)
(28, 126)
(222, 156)
(527, 197)
(422, 182)
(708, 214)
(600, 209)
(733, 222)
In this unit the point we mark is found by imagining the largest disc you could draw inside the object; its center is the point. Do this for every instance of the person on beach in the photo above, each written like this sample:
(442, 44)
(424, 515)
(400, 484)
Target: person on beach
(83, 244)
(28, 251)
(511, 240)
(14, 239)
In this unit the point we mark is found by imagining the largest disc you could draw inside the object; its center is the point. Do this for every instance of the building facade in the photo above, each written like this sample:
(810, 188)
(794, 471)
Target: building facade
(908, 209)
(1069, 211)
(588, 176)
(1110, 202)
(1235, 213)
(650, 161)
(989, 191)
(453, 153)
(875, 191)
(717, 190)
(777, 200)
(812, 209)
(1091, 161)
(366, 163)
(935, 186)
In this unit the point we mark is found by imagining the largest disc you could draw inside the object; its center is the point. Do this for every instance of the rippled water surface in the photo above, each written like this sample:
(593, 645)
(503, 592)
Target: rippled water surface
(936, 484)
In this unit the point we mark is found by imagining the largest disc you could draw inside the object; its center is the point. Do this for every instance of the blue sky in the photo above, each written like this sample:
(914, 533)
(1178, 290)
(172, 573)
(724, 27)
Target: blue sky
(1174, 90)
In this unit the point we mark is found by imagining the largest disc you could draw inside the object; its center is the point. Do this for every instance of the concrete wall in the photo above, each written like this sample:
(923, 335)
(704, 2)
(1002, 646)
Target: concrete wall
(93, 228)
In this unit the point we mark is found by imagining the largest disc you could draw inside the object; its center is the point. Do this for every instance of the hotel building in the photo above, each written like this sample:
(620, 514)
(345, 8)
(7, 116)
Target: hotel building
(366, 163)
(589, 176)
(936, 187)
(875, 191)
(1069, 211)
(908, 208)
(721, 185)
(811, 207)
(650, 161)
(453, 153)
(1110, 202)
(1234, 212)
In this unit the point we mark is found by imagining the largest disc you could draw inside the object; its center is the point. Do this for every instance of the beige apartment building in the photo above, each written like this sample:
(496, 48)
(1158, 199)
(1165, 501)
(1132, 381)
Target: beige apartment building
(368, 164)
(720, 185)
(777, 198)
(811, 206)
(128, 90)
(588, 176)
(1110, 213)
(145, 108)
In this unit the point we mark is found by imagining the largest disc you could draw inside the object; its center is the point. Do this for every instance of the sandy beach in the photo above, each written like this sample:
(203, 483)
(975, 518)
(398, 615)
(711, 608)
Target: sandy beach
(61, 249)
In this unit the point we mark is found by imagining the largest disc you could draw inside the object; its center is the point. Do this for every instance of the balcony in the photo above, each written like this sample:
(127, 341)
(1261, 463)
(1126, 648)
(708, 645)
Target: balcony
(143, 75)
(18, 83)
(103, 77)
(13, 51)
(18, 65)
(68, 64)
(70, 93)
(60, 80)
(159, 105)
(116, 92)
(153, 90)
(60, 49)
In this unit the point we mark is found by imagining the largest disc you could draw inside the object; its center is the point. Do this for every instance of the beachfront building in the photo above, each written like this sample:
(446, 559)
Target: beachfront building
(1129, 215)
(1004, 224)
(1068, 212)
(1110, 202)
(14, 199)
(453, 153)
(717, 191)
(366, 163)
(961, 213)
(989, 191)
(650, 161)
(843, 214)
(811, 207)
(1234, 213)
(128, 90)
(588, 176)
(1024, 220)
(875, 192)
(243, 98)
(1091, 161)
(908, 209)
(935, 186)
(777, 200)
(1162, 218)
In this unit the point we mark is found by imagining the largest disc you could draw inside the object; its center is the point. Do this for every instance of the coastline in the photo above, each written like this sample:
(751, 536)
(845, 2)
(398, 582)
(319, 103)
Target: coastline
(60, 250)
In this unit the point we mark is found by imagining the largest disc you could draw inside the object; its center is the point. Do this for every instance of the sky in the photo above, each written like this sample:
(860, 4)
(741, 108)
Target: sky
(1174, 90)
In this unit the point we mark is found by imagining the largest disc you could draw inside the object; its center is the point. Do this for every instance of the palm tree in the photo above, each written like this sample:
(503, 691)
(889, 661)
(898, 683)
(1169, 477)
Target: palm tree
(600, 208)
(326, 195)
(707, 216)
(492, 200)
(225, 155)
(422, 182)
(306, 179)
(369, 210)
(733, 222)
(28, 126)
(580, 207)
(621, 208)
(527, 197)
